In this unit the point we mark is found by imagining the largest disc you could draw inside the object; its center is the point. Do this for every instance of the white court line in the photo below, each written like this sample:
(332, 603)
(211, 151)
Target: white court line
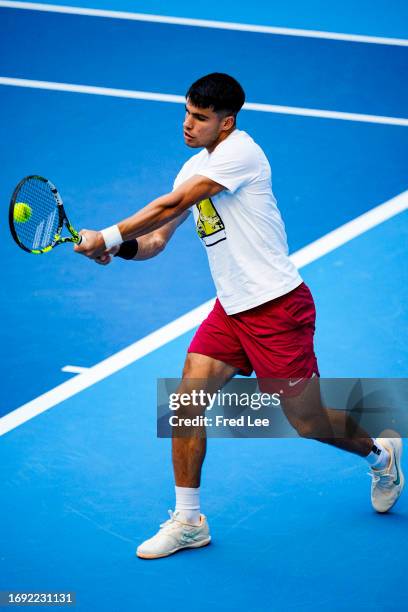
(204, 23)
(71, 369)
(176, 99)
(192, 319)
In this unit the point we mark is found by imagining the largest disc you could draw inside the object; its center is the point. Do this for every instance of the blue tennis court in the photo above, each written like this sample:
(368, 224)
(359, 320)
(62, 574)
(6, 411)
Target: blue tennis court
(85, 478)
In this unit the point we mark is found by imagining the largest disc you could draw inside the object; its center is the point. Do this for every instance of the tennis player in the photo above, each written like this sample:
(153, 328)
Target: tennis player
(264, 316)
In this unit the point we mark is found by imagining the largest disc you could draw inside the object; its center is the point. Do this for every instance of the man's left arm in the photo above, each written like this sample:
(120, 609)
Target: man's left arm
(154, 215)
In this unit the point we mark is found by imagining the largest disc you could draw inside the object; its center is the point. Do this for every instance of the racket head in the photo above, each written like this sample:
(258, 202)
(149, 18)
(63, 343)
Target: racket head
(36, 215)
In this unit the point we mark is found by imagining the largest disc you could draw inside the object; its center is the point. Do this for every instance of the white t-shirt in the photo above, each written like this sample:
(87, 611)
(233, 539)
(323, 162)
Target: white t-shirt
(241, 228)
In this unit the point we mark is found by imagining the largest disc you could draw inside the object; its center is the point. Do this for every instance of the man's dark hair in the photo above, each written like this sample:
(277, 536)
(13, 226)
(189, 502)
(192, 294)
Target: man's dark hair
(219, 91)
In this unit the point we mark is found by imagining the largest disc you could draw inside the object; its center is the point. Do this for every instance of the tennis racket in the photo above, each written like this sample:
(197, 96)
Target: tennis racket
(37, 216)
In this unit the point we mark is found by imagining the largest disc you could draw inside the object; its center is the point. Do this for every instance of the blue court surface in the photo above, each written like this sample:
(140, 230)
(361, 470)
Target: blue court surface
(87, 479)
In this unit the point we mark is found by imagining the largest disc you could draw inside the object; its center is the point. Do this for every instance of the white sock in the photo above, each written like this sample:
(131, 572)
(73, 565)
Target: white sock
(379, 457)
(188, 503)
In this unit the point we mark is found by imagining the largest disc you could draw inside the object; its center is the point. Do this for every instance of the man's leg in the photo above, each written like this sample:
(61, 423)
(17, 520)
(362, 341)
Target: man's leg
(188, 453)
(311, 419)
(187, 528)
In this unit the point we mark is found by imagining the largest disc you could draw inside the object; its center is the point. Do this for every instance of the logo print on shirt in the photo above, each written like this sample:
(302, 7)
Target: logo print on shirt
(210, 226)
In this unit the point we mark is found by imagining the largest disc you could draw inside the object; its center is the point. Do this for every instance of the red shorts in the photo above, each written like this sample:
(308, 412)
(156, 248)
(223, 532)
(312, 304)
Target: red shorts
(274, 339)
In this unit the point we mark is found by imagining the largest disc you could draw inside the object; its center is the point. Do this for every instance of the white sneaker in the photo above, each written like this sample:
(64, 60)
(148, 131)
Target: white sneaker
(174, 535)
(387, 484)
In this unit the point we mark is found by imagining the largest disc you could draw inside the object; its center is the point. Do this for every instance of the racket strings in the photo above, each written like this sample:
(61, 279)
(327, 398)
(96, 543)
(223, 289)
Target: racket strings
(39, 230)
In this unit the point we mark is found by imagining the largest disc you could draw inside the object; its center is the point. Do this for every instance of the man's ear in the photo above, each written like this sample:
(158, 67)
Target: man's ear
(229, 122)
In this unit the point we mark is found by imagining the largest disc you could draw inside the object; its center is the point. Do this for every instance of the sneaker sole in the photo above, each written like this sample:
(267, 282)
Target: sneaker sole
(171, 552)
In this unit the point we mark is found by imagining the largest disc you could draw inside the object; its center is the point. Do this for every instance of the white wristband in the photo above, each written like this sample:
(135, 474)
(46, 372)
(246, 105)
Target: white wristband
(112, 236)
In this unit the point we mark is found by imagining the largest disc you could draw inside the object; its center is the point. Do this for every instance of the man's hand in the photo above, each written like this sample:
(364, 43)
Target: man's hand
(93, 246)
(106, 257)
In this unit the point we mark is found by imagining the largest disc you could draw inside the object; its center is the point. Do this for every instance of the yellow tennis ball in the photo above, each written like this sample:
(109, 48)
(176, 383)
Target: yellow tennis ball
(22, 212)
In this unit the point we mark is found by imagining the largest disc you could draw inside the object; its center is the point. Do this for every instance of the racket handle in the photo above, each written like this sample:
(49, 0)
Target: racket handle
(82, 239)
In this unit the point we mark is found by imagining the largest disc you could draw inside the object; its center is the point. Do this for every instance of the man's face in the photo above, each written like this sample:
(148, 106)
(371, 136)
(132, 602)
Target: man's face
(202, 127)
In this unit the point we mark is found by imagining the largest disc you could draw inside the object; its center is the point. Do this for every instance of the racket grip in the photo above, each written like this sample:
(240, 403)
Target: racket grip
(81, 239)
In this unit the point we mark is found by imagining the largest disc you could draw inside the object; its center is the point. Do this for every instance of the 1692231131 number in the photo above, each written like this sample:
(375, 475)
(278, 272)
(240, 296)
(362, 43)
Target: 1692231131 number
(39, 598)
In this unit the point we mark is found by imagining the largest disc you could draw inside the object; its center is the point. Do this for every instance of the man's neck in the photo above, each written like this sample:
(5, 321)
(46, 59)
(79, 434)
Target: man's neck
(220, 138)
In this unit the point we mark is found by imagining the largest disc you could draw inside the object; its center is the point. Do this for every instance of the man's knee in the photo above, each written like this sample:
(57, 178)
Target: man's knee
(188, 369)
(212, 372)
(313, 428)
(305, 428)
